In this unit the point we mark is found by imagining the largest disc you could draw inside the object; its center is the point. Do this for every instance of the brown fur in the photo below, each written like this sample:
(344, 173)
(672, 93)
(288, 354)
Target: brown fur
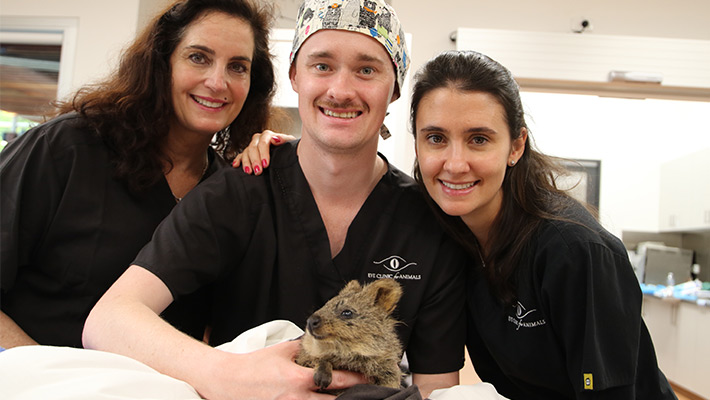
(354, 331)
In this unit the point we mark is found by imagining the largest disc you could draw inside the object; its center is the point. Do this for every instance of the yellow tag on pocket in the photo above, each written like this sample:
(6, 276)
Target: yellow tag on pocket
(588, 382)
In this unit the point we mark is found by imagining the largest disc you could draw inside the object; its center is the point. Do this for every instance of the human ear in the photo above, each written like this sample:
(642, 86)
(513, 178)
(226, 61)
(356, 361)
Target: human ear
(395, 94)
(292, 76)
(518, 147)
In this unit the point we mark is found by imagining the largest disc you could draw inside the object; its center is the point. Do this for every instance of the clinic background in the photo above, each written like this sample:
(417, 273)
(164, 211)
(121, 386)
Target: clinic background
(633, 140)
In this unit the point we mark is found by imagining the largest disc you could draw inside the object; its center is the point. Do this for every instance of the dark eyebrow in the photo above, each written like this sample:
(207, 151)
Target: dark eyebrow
(431, 128)
(369, 58)
(470, 131)
(482, 129)
(210, 51)
(320, 54)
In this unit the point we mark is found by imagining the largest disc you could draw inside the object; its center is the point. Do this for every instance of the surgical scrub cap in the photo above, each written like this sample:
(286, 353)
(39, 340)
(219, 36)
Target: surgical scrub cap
(370, 17)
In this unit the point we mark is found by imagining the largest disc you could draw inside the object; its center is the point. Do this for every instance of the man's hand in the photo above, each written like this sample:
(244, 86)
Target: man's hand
(268, 373)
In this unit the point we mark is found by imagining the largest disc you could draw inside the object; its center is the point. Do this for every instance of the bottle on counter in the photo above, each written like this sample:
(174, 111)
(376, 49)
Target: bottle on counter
(670, 283)
(695, 271)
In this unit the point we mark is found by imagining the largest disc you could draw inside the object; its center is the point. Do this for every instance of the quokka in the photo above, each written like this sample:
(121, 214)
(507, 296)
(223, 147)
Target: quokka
(355, 331)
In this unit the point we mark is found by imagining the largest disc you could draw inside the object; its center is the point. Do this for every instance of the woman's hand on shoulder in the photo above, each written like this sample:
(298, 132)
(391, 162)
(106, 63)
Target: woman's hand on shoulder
(255, 157)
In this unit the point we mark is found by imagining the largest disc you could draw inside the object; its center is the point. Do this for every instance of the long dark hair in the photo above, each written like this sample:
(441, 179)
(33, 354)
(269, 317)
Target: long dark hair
(530, 194)
(131, 110)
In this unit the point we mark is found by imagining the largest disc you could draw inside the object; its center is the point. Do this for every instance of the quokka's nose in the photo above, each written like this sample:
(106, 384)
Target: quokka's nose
(313, 322)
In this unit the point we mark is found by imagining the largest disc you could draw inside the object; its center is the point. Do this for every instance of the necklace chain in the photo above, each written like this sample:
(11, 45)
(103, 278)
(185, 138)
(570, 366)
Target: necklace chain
(202, 175)
(480, 254)
(483, 262)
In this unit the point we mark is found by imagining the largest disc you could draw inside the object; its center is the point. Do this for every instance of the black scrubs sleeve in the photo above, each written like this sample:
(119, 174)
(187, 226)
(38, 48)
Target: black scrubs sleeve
(29, 165)
(205, 234)
(440, 330)
(594, 304)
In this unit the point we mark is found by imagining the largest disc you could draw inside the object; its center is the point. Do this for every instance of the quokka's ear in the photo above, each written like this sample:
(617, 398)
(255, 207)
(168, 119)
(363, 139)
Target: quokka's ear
(386, 293)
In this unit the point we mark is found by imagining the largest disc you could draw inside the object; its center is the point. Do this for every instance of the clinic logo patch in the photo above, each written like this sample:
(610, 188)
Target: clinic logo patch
(521, 313)
(394, 265)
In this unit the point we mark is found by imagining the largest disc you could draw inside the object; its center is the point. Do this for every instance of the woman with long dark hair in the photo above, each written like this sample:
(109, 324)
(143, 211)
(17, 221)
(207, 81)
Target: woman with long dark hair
(554, 307)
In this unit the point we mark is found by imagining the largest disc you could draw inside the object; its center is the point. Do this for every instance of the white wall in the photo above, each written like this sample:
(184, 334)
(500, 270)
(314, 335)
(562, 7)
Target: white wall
(431, 22)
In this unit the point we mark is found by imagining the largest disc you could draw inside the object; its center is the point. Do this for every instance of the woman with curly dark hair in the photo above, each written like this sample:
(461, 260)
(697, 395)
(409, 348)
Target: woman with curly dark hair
(83, 192)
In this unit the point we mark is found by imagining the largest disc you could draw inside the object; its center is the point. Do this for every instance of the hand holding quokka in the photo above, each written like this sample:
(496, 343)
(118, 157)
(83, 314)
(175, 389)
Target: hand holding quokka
(355, 331)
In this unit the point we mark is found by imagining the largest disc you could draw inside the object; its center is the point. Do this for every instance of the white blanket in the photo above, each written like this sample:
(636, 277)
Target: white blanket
(47, 372)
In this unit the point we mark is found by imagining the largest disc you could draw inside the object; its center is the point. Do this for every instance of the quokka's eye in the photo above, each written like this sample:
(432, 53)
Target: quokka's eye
(346, 313)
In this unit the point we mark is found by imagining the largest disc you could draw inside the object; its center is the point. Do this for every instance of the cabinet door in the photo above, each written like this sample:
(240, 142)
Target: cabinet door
(703, 190)
(685, 193)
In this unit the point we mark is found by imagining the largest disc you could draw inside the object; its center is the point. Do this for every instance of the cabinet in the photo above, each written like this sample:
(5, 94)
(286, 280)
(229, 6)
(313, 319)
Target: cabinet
(679, 331)
(685, 193)
(570, 63)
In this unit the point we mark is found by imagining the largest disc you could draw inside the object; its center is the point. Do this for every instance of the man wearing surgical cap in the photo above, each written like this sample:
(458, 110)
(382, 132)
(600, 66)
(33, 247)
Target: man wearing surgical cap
(328, 209)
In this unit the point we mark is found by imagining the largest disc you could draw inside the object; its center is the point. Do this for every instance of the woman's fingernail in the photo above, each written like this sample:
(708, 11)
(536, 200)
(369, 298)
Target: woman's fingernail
(257, 169)
(247, 169)
(277, 139)
(264, 163)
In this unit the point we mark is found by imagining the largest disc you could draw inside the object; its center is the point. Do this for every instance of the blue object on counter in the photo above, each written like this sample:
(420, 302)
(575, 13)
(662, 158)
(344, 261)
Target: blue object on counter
(649, 288)
(685, 291)
(658, 290)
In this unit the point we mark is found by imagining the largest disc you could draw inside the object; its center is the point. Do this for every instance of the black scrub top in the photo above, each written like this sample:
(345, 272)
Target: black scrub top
(262, 242)
(69, 229)
(576, 330)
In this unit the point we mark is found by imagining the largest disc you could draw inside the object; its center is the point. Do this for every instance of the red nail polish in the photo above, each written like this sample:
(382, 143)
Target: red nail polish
(264, 163)
(247, 169)
(277, 139)
(257, 169)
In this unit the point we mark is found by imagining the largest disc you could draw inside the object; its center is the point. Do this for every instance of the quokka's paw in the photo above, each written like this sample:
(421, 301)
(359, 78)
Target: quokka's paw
(323, 377)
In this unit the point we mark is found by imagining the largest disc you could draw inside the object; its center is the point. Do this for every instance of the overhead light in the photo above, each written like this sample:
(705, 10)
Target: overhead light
(632, 76)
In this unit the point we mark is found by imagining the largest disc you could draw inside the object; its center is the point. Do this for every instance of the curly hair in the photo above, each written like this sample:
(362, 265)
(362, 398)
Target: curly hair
(131, 110)
(530, 194)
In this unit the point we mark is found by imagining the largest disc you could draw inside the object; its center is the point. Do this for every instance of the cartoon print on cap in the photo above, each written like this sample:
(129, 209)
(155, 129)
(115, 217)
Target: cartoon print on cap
(332, 16)
(370, 17)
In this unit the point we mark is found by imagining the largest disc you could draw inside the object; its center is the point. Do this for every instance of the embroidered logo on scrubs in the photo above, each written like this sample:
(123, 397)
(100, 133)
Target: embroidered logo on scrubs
(394, 265)
(522, 313)
(588, 382)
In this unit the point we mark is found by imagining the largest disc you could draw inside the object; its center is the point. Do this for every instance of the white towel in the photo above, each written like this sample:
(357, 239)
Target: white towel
(59, 373)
